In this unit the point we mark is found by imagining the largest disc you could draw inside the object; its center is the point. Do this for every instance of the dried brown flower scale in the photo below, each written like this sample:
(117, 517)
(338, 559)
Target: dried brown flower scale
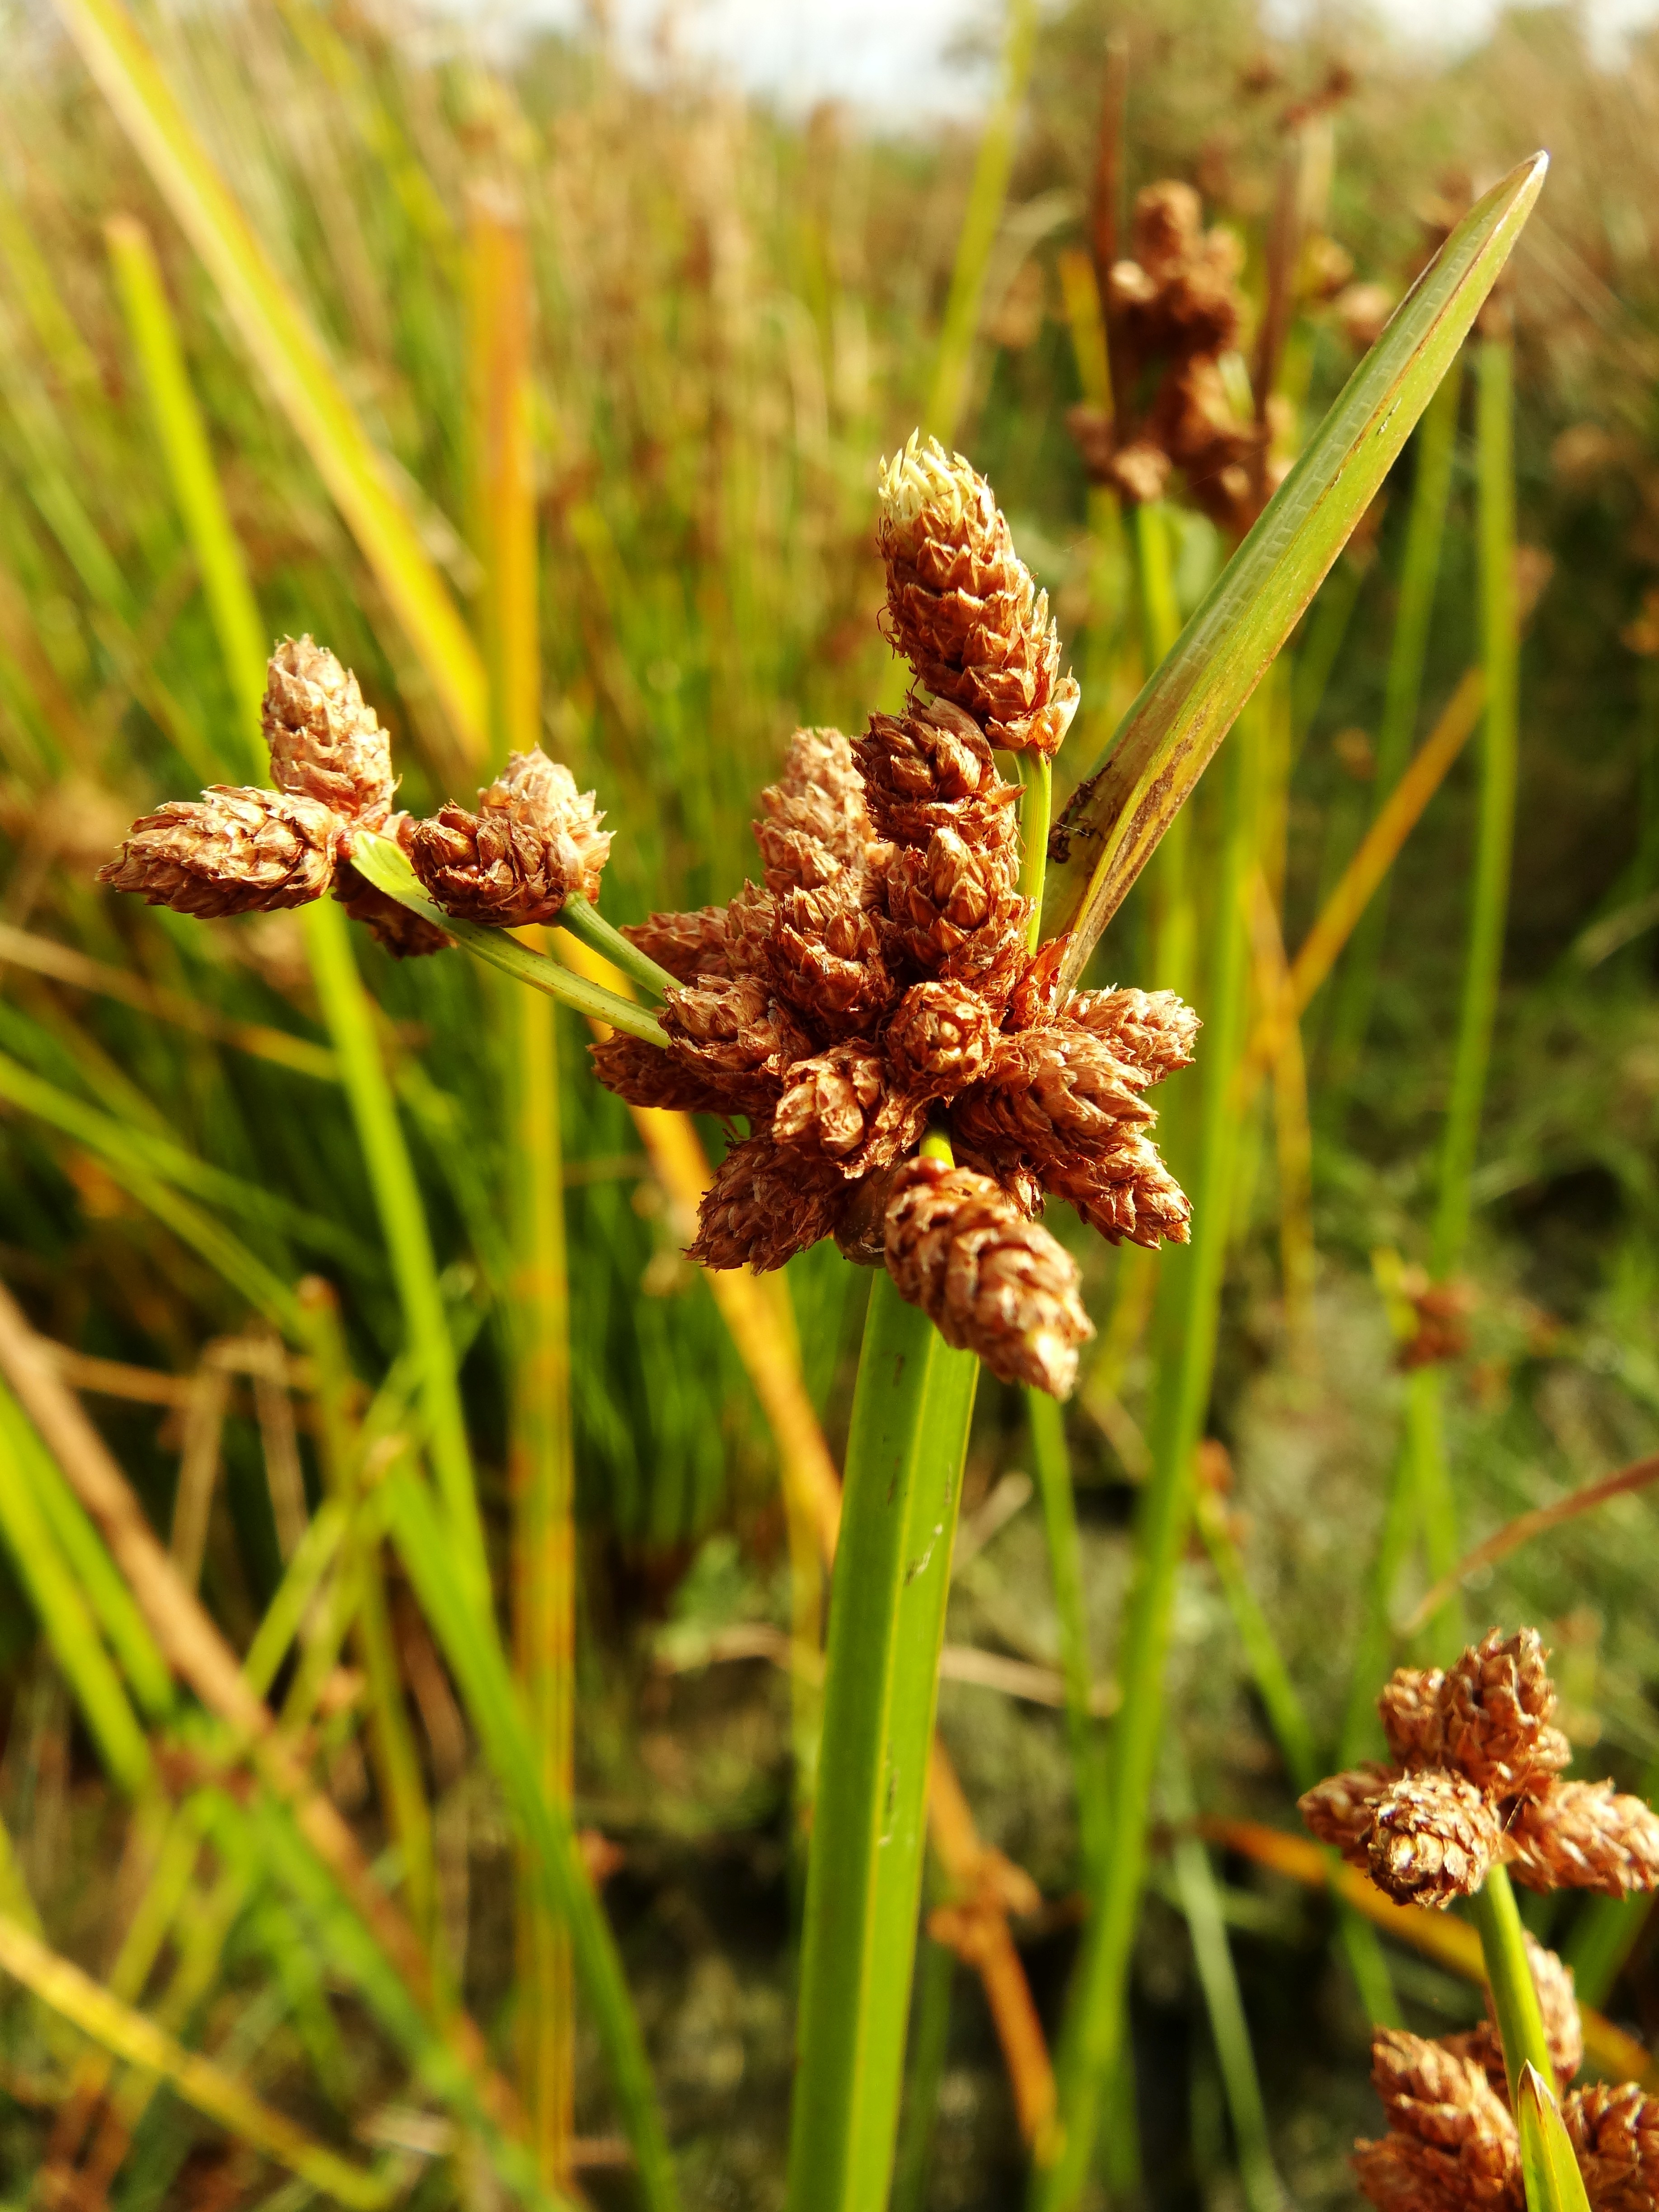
(879, 975)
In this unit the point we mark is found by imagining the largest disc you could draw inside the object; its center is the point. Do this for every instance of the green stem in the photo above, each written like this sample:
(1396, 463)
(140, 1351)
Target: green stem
(980, 223)
(1513, 1995)
(1188, 1313)
(1419, 573)
(930, 2041)
(1052, 1463)
(1037, 776)
(911, 1409)
(587, 922)
(388, 869)
(1495, 837)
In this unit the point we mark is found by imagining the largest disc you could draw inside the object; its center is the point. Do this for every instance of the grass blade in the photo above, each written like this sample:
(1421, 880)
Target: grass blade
(201, 2084)
(1118, 814)
(281, 342)
(470, 1644)
(909, 1421)
(1051, 1462)
(1548, 2165)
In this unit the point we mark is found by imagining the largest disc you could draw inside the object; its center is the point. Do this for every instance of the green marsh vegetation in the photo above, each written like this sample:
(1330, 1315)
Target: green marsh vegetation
(454, 1843)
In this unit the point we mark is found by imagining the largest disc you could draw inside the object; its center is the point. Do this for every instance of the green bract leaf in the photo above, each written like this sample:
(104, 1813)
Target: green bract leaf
(386, 866)
(1117, 815)
(1548, 2166)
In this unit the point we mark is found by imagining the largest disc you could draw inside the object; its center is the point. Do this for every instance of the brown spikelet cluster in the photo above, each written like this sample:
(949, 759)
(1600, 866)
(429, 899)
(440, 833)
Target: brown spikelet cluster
(880, 978)
(1172, 308)
(533, 843)
(1476, 1783)
(1452, 2144)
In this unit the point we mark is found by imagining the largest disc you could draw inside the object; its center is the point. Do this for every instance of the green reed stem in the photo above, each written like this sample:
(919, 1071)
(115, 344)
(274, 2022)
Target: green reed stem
(1037, 777)
(1188, 1306)
(981, 221)
(1419, 573)
(1200, 1903)
(587, 922)
(346, 1007)
(911, 1408)
(1508, 1976)
(930, 2041)
(1051, 1462)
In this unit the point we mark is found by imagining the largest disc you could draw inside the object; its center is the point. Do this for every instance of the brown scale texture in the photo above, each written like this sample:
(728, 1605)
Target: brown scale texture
(930, 756)
(687, 945)
(232, 851)
(1125, 1193)
(1339, 1810)
(824, 952)
(766, 1203)
(325, 744)
(1615, 2134)
(1053, 1093)
(1585, 1835)
(731, 1034)
(962, 606)
(643, 1074)
(814, 818)
(955, 914)
(840, 1106)
(1497, 1702)
(1413, 1718)
(990, 1281)
(1452, 2145)
(1432, 1838)
(939, 1039)
(406, 936)
(1151, 1031)
(536, 792)
(489, 869)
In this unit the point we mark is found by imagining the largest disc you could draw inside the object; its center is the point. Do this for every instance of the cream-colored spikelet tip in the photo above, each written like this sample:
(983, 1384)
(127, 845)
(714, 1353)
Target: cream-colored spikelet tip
(922, 474)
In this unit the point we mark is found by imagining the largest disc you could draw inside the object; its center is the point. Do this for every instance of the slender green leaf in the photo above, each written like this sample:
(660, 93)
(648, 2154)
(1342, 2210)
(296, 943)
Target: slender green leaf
(1118, 813)
(470, 1644)
(286, 350)
(388, 869)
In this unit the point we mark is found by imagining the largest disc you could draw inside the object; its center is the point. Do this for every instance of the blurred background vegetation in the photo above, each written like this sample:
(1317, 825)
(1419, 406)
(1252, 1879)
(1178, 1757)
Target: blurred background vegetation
(735, 314)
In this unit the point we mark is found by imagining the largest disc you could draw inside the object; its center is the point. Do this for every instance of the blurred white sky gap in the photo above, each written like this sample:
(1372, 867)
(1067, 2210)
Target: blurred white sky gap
(890, 58)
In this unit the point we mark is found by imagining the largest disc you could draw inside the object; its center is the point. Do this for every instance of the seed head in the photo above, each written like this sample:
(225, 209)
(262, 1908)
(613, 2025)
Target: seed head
(765, 1204)
(1339, 1810)
(1432, 1838)
(991, 1281)
(1614, 2132)
(732, 1035)
(325, 744)
(1152, 1032)
(815, 823)
(1585, 1835)
(233, 851)
(687, 945)
(1497, 1702)
(1124, 1192)
(939, 1038)
(1414, 1715)
(840, 1106)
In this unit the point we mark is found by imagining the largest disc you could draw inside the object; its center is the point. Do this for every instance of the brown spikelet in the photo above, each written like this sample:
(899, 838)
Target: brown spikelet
(1151, 1032)
(814, 823)
(687, 945)
(487, 868)
(939, 1039)
(731, 1034)
(1452, 2143)
(1496, 1702)
(1339, 1810)
(1397, 2173)
(1051, 1093)
(325, 744)
(232, 851)
(840, 1106)
(1413, 1719)
(931, 768)
(1614, 2132)
(962, 605)
(991, 1281)
(824, 952)
(1124, 1191)
(1432, 1838)
(751, 918)
(643, 1074)
(955, 915)
(765, 1205)
(404, 935)
(1585, 1835)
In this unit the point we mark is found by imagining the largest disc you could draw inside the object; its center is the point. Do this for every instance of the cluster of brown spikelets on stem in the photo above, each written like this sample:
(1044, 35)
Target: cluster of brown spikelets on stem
(883, 979)
(1174, 309)
(1477, 1785)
